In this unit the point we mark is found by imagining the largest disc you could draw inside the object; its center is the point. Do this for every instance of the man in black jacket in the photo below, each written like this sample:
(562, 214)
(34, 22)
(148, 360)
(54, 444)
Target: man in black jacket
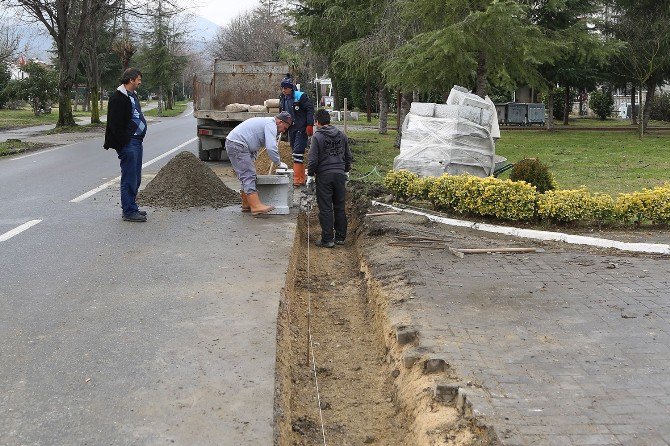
(329, 159)
(301, 109)
(125, 132)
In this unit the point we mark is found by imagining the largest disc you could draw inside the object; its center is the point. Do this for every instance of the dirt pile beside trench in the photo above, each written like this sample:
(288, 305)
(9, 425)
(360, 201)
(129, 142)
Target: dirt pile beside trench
(187, 182)
(263, 163)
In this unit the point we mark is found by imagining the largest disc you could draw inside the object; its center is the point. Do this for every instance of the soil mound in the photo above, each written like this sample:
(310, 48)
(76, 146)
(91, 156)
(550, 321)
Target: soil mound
(263, 163)
(187, 182)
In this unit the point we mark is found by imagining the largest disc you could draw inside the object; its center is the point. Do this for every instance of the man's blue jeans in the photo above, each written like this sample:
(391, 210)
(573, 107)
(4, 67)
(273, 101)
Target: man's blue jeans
(131, 174)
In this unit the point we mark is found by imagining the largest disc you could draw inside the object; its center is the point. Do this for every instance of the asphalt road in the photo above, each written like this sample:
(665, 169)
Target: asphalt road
(132, 333)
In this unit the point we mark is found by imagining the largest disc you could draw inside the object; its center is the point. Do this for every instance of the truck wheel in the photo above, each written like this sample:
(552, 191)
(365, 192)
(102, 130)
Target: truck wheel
(215, 154)
(202, 154)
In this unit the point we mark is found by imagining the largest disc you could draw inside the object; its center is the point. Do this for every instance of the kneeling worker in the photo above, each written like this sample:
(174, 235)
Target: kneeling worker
(329, 159)
(242, 146)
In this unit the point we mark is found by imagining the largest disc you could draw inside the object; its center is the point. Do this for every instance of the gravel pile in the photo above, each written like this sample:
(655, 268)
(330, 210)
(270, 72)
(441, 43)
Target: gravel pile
(187, 182)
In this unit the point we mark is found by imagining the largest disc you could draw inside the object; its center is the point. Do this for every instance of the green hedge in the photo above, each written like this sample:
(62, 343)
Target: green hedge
(520, 201)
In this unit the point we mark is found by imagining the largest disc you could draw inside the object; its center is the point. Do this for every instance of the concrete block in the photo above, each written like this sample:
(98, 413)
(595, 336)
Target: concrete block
(434, 365)
(276, 190)
(410, 357)
(406, 334)
(445, 392)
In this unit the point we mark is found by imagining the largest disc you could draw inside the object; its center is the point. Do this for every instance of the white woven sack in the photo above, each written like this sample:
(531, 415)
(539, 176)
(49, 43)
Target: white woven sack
(258, 108)
(234, 108)
(271, 103)
(422, 109)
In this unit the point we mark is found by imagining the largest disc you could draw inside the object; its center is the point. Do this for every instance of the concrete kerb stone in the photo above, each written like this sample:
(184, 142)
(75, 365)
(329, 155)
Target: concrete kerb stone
(649, 248)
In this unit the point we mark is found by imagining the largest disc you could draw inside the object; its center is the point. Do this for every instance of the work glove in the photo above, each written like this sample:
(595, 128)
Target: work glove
(282, 166)
(310, 130)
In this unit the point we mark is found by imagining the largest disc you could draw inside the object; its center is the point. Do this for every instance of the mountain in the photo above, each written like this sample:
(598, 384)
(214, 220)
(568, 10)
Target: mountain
(202, 30)
(35, 42)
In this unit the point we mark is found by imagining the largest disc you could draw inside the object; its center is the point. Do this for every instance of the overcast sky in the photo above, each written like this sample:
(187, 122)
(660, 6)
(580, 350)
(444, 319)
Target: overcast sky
(219, 11)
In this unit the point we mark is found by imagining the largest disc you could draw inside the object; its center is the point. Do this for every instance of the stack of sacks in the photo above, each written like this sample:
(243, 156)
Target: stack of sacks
(235, 108)
(456, 137)
(272, 105)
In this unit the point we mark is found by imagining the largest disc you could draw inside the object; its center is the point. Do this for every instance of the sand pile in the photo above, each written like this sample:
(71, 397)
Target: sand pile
(285, 153)
(187, 182)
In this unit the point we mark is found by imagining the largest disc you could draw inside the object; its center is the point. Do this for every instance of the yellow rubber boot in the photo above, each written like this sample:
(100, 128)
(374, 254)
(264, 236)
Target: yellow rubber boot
(245, 202)
(298, 174)
(257, 208)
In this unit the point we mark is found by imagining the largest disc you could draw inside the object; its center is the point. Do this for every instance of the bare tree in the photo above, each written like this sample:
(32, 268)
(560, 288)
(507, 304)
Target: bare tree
(9, 40)
(67, 21)
(256, 35)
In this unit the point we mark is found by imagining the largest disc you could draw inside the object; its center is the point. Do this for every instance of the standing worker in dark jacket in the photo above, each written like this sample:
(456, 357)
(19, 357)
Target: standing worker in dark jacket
(329, 159)
(301, 109)
(125, 132)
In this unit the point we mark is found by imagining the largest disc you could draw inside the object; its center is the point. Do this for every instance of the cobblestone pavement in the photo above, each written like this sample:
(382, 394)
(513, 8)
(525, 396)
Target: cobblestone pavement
(568, 347)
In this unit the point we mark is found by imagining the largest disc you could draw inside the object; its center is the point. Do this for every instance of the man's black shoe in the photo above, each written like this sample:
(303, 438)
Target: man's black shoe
(135, 216)
(339, 242)
(323, 244)
(142, 213)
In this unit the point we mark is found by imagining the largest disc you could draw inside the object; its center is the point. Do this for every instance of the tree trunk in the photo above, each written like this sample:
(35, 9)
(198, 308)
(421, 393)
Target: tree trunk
(405, 104)
(633, 115)
(480, 88)
(160, 101)
(65, 82)
(550, 106)
(368, 101)
(651, 91)
(640, 121)
(567, 105)
(383, 110)
(398, 105)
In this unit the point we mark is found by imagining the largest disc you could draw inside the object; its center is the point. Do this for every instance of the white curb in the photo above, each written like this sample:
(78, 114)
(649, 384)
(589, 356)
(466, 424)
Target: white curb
(652, 248)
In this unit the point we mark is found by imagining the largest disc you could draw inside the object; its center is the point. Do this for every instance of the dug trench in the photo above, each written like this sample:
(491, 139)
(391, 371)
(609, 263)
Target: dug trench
(348, 371)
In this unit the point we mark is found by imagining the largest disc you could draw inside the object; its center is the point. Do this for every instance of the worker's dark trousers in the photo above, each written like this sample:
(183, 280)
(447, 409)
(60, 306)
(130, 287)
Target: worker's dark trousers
(131, 174)
(330, 197)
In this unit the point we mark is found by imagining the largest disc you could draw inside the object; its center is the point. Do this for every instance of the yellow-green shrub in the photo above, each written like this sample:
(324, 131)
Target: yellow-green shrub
(647, 205)
(634, 207)
(564, 205)
(398, 182)
(443, 192)
(660, 205)
(421, 187)
(468, 194)
(602, 208)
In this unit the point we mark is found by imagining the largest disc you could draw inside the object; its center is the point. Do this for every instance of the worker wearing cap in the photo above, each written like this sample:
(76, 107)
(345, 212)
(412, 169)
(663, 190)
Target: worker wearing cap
(242, 146)
(301, 109)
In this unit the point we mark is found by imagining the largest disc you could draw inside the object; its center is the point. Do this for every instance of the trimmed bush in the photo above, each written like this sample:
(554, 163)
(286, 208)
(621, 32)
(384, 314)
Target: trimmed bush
(647, 205)
(398, 182)
(533, 171)
(564, 206)
(443, 194)
(420, 189)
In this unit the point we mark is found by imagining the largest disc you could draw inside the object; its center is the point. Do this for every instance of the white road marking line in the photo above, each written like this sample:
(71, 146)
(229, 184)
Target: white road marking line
(7, 235)
(39, 152)
(160, 157)
(104, 186)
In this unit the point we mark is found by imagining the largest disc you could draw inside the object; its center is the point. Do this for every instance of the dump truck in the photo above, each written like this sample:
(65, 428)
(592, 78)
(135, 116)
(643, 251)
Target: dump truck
(218, 98)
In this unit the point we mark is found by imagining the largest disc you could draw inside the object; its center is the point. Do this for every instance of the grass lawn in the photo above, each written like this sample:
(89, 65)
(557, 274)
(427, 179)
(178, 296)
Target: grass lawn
(608, 162)
(13, 146)
(178, 109)
(372, 150)
(25, 118)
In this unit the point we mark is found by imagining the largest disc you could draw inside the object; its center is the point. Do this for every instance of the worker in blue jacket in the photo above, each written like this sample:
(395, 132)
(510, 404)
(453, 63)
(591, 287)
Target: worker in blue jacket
(301, 109)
